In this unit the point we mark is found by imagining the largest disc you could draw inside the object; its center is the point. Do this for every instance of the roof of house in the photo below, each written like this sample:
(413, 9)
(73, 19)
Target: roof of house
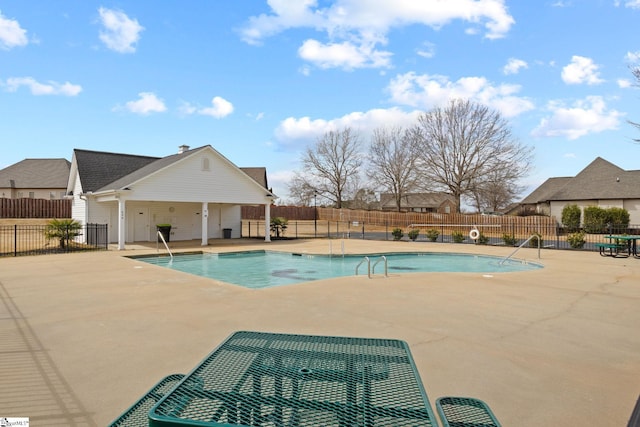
(100, 171)
(36, 173)
(599, 180)
(415, 200)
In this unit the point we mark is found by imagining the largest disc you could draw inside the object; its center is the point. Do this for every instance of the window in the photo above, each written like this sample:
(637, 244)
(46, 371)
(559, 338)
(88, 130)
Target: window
(52, 195)
(32, 195)
(205, 164)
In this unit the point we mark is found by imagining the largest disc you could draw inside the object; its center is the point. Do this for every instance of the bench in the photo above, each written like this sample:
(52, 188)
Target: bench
(465, 412)
(611, 249)
(138, 414)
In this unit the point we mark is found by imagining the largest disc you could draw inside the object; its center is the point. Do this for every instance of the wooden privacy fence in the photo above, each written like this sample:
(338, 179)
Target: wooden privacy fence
(499, 224)
(35, 208)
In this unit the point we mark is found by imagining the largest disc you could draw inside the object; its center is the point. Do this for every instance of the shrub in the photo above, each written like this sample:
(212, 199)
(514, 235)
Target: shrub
(397, 233)
(533, 243)
(279, 226)
(576, 240)
(509, 239)
(432, 234)
(457, 236)
(618, 217)
(482, 239)
(595, 219)
(63, 229)
(413, 233)
(571, 217)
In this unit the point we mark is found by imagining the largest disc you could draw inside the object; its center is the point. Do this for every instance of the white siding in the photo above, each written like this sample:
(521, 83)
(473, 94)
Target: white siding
(186, 181)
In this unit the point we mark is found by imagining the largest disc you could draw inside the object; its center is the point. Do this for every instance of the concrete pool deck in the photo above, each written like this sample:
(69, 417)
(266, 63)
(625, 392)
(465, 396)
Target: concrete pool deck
(85, 335)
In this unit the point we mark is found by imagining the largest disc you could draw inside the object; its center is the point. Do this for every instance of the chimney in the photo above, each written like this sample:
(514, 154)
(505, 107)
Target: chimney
(183, 148)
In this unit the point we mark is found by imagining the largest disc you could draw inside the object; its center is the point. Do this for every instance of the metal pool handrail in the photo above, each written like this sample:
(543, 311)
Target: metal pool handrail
(518, 248)
(165, 244)
(368, 266)
(386, 270)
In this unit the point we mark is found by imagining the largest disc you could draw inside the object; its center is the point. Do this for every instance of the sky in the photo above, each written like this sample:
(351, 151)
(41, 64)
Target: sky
(261, 81)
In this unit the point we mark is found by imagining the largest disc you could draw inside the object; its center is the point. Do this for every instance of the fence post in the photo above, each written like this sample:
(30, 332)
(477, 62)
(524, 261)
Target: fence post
(15, 239)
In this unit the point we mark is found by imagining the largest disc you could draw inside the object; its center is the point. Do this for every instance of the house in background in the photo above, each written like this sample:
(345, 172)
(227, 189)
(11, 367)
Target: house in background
(419, 202)
(35, 179)
(198, 191)
(601, 184)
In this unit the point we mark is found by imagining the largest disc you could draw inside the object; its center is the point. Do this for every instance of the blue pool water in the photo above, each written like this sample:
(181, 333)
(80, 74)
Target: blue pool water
(262, 269)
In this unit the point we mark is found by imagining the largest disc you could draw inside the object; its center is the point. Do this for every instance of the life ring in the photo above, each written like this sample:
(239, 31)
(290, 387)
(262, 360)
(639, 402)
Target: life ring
(474, 234)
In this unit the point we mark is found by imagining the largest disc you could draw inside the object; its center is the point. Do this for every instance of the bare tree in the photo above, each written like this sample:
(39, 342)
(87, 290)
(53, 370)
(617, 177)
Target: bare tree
(393, 154)
(301, 191)
(332, 166)
(498, 190)
(463, 144)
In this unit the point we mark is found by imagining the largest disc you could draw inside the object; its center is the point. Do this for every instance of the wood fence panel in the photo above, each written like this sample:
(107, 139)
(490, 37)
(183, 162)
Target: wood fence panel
(35, 208)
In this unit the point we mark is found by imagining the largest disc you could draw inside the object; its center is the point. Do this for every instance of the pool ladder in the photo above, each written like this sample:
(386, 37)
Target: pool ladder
(372, 269)
(518, 248)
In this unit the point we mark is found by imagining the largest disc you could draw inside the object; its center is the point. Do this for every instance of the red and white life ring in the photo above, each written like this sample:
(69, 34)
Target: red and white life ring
(474, 234)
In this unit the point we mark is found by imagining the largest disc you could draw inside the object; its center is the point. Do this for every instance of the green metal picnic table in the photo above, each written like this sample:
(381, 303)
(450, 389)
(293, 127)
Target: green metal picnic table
(630, 241)
(268, 379)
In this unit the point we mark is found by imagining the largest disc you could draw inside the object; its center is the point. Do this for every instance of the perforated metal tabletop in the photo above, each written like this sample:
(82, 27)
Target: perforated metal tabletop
(274, 380)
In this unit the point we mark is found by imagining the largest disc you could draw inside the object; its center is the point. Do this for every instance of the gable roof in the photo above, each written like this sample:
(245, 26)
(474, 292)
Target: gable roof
(101, 171)
(599, 180)
(98, 169)
(36, 173)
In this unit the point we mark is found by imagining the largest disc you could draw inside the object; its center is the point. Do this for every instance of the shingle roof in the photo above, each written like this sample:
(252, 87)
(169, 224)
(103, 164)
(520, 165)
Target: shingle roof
(36, 173)
(599, 180)
(257, 174)
(98, 169)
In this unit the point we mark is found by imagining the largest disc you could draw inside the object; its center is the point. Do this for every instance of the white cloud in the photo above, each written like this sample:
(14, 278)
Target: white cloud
(359, 26)
(514, 66)
(428, 91)
(220, 108)
(147, 104)
(624, 83)
(293, 131)
(119, 33)
(11, 34)
(428, 50)
(581, 70)
(50, 88)
(584, 117)
(633, 4)
(345, 55)
(633, 57)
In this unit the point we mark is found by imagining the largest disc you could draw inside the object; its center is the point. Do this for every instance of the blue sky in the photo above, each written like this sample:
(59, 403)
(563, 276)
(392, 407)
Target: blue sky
(261, 80)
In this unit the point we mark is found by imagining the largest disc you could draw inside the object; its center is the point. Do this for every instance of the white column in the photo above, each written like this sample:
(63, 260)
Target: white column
(122, 221)
(267, 222)
(205, 223)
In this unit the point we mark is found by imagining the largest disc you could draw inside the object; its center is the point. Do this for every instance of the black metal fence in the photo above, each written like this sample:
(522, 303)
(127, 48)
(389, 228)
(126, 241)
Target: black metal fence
(18, 239)
(552, 237)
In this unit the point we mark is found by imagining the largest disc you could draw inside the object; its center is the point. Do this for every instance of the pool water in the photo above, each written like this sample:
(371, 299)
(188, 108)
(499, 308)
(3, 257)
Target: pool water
(263, 269)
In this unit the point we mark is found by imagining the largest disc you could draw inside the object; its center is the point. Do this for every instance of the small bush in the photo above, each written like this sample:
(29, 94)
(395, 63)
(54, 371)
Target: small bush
(279, 226)
(432, 234)
(533, 243)
(482, 239)
(64, 230)
(457, 236)
(576, 240)
(397, 233)
(571, 217)
(413, 233)
(618, 217)
(595, 219)
(509, 239)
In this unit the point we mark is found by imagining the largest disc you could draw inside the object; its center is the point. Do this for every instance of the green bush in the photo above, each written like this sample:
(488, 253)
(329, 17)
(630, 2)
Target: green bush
(432, 234)
(413, 233)
(595, 219)
(533, 243)
(509, 239)
(618, 217)
(397, 233)
(576, 240)
(279, 226)
(571, 217)
(62, 229)
(482, 239)
(457, 236)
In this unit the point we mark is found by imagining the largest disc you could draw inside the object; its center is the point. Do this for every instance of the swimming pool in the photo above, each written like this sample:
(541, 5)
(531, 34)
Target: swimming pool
(263, 269)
